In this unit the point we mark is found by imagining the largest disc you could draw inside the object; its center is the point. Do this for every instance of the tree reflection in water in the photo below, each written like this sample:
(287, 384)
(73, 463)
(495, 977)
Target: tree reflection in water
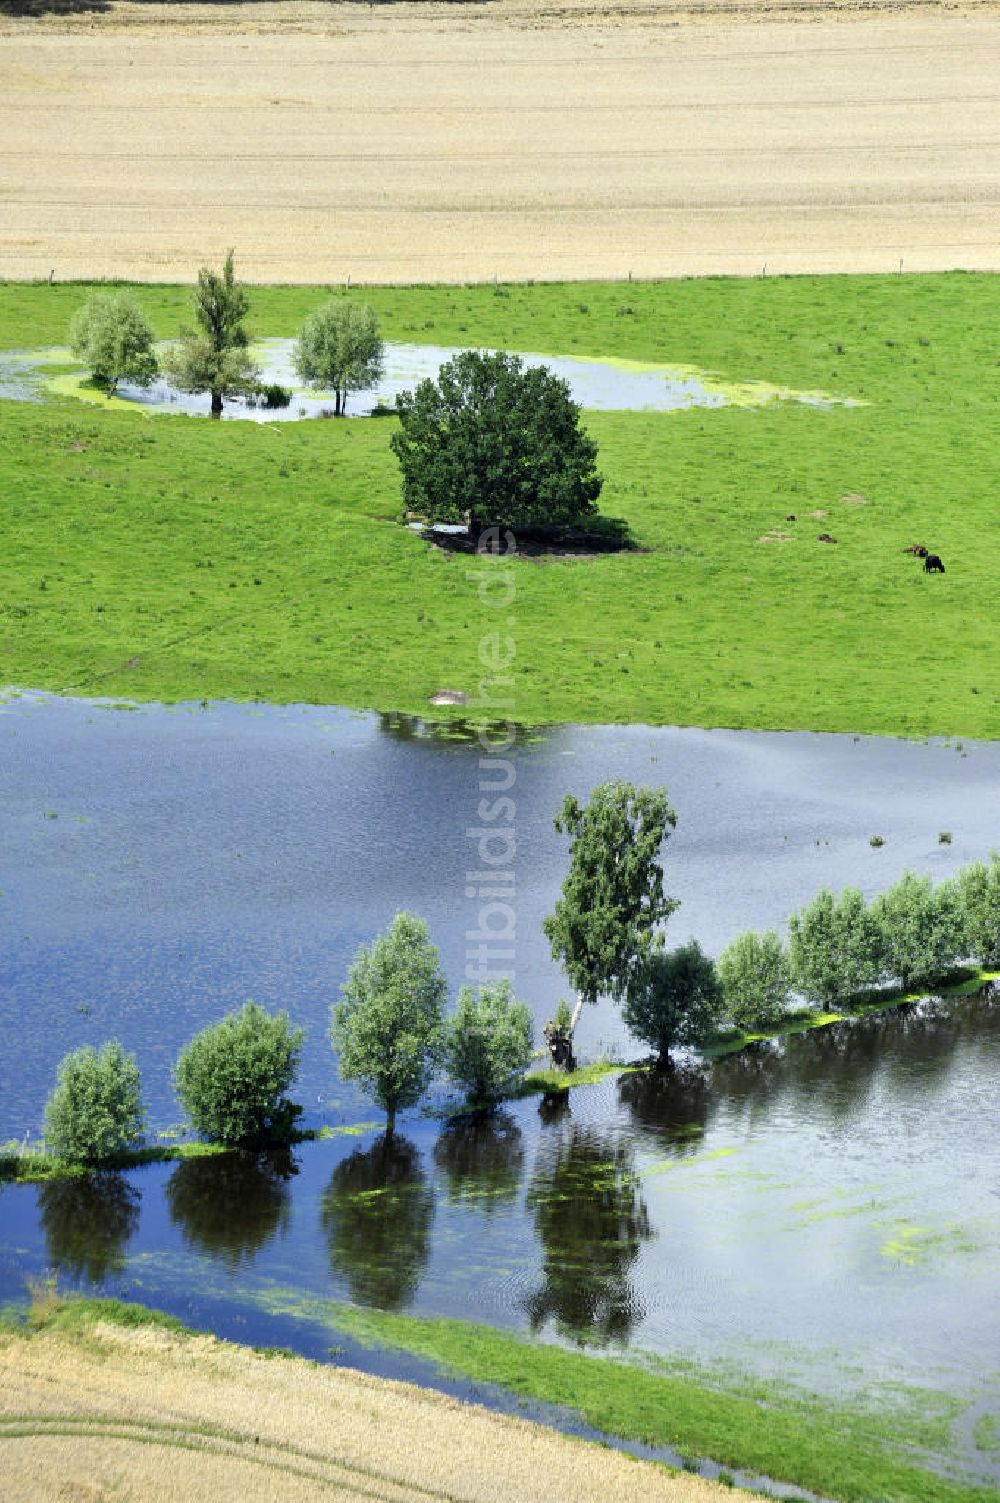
(672, 1105)
(88, 1222)
(591, 1219)
(482, 1158)
(230, 1205)
(377, 1216)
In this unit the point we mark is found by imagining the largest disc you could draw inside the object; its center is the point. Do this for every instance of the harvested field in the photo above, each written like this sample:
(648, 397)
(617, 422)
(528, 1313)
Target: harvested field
(105, 1412)
(458, 142)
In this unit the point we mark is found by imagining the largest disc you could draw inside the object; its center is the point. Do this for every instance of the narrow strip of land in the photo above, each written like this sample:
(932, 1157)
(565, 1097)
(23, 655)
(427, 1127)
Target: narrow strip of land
(146, 1413)
(450, 143)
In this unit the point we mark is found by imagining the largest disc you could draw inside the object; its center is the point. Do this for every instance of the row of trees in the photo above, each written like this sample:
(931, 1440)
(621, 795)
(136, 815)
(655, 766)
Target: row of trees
(607, 929)
(339, 348)
(233, 1078)
(840, 949)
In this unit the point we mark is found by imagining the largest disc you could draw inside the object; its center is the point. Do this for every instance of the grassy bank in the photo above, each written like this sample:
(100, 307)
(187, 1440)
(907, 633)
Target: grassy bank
(884, 1446)
(166, 558)
(94, 1391)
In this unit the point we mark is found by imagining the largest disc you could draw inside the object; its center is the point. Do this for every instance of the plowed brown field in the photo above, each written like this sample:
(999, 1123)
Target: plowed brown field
(457, 142)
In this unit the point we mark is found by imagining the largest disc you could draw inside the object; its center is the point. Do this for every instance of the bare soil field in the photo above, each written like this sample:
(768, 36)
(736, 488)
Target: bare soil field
(144, 1415)
(437, 142)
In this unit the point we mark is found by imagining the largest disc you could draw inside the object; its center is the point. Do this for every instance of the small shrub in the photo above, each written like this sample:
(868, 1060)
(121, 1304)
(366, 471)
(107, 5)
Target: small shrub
(978, 888)
(678, 1000)
(487, 1041)
(232, 1077)
(876, 842)
(756, 980)
(944, 837)
(95, 1111)
(269, 394)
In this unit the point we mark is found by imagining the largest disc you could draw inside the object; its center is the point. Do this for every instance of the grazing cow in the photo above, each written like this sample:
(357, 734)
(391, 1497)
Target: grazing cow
(917, 549)
(825, 537)
(933, 565)
(791, 517)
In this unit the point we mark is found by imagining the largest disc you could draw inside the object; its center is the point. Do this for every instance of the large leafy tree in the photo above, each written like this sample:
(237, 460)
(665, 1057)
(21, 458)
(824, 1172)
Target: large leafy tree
(215, 357)
(604, 926)
(835, 947)
(114, 339)
(493, 442)
(487, 1041)
(386, 1028)
(756, 980)
(978, 888)
(340, 349)
(920, 927)
(232, 1078)
(95, 1112)
(678, 1000)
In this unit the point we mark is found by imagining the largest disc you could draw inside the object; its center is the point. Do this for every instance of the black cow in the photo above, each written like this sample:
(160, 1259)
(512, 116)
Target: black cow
(933, 565)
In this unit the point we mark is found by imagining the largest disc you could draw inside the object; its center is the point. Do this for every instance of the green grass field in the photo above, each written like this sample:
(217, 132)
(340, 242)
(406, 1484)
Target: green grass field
(160, 557)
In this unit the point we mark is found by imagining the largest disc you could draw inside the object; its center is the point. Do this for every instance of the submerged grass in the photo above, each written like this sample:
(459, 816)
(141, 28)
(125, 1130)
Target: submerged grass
(173, 558)
(22, 1165)
(962, 982)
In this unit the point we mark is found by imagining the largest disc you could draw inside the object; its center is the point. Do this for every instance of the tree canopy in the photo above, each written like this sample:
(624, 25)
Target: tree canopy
(487, 1041)
(114, 338)
(603, 927)
(95, 1111)
(340, 349)
(495, 443)
(232, 1078)
(677, 1000)
(215, 357)
(386, 1028)
(756, 980)
(835, 947)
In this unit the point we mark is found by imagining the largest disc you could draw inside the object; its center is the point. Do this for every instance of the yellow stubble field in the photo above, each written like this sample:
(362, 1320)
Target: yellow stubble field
(451, 142)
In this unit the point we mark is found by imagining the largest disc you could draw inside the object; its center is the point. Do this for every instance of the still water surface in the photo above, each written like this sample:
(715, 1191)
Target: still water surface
(826, 1208)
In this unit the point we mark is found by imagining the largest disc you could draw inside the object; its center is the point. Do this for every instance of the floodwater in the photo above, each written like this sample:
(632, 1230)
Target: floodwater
(600, 384)
(825, 1209)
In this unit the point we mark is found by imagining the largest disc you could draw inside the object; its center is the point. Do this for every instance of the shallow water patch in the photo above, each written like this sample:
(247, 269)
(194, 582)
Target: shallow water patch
(598, 383)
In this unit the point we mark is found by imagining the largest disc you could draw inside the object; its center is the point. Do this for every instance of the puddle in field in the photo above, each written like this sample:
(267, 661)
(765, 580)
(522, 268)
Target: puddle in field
(598, 384)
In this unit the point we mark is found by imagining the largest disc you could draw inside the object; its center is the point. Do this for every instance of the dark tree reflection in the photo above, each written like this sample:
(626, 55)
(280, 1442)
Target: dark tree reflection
(672, 1105)
(591, 1219)
(230, 1205)
(482, 1158)
(88, 1222)
(377, 1216)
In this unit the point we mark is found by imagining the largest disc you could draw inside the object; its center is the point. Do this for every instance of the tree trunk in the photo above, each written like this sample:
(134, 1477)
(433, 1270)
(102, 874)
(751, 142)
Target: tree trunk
(560, 1041)
(216, 404)
(337, 403)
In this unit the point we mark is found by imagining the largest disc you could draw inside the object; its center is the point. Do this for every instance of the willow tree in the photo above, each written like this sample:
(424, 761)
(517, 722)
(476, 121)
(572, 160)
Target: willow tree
(114, 338)
(215, 357)
(604, 927)
(340, 349)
